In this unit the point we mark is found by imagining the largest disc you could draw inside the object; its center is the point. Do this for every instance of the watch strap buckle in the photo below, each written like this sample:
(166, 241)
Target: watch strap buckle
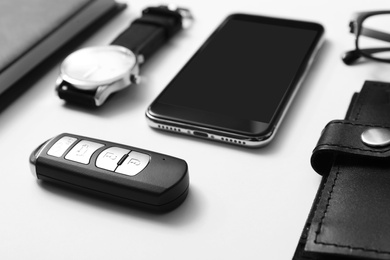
(187, 18)
(185, 14)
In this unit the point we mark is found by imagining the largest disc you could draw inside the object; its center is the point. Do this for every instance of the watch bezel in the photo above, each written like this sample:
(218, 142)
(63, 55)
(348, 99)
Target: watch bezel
(93, 51)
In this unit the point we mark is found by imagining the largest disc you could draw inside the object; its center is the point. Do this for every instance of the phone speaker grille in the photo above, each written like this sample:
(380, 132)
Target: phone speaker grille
(229, 140)
(169, 128)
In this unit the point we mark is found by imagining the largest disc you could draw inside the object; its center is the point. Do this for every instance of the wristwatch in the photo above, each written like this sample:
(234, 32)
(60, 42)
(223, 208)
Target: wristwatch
(90, 75)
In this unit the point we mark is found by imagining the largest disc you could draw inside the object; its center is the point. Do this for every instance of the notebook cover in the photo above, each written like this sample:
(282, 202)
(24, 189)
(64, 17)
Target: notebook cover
(32, 30)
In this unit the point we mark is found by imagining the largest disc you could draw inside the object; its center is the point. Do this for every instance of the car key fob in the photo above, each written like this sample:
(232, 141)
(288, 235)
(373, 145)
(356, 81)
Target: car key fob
(143, 178)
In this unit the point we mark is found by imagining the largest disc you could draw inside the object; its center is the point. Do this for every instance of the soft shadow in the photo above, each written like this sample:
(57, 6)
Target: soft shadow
(184, 214)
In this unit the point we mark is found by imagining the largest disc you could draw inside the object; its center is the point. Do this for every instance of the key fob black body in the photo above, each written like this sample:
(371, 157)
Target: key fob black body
(139, 177)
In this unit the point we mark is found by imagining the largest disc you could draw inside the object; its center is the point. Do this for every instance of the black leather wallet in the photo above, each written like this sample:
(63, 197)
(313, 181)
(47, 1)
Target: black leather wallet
(350, 216)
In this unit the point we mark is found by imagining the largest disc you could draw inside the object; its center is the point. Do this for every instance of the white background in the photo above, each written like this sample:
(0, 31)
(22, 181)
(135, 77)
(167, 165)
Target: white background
(243, 203)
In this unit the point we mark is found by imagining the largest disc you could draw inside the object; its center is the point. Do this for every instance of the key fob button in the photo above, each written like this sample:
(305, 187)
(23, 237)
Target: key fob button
(133, 164)
(110, 157)
(83, 151)
(59, 148)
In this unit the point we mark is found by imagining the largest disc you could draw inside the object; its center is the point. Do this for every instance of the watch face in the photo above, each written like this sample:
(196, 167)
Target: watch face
(91, 67)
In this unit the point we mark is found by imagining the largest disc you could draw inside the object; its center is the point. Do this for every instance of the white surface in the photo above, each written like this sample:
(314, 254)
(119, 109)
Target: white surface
(243, 204)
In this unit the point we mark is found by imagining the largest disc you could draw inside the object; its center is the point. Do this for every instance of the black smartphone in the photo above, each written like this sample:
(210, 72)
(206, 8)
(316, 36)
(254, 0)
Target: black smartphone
(238, 86)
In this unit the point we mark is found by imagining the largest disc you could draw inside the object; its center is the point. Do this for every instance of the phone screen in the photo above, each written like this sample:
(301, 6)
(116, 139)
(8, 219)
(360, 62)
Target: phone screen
(242, 73)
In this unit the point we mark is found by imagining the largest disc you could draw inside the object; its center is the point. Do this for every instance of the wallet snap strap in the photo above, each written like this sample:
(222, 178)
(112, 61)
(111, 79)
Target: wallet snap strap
(353, 139)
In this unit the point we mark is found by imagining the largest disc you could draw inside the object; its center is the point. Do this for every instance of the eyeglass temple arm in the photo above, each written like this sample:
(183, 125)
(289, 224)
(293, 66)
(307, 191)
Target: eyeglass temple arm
(374, 50)
(375, 34)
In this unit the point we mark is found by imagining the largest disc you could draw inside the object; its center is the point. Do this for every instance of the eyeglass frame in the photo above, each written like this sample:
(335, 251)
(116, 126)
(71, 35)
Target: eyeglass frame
(356, 28)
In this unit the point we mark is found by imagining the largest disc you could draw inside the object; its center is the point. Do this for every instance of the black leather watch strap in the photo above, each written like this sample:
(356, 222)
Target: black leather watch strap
(81, 97)
(149, 32)
(350, 216)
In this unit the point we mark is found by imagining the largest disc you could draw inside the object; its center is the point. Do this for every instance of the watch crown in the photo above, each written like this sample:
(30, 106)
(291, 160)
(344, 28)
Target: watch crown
(135, 79)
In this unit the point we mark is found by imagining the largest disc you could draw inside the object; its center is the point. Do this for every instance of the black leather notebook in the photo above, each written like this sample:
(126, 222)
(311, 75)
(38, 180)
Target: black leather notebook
(32, 30)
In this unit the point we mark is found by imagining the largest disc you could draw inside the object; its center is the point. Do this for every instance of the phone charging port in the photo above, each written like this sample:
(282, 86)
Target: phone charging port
(201, 134)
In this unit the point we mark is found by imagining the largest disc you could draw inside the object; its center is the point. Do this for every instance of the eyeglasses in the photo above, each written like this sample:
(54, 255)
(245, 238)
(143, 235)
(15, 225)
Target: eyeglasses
(372, 32)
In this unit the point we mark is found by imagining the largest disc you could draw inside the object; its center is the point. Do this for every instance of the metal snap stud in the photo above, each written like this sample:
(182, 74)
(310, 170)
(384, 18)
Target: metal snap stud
(376, 137)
